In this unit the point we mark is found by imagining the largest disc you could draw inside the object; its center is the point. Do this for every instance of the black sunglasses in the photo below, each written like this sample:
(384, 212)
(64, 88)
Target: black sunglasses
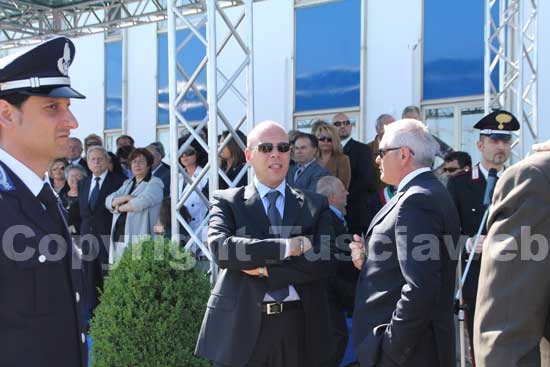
(189, 152)
(382, 152)
(325, 138)
(340, 123)
(450, 169)
(268, 147)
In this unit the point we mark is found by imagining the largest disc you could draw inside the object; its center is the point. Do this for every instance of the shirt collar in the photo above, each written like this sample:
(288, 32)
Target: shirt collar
(263, 189)
(485, 172)
(408, 178)
(33, 182)
(307, 164)
(336, 211)
(345, 141)
(101, 177)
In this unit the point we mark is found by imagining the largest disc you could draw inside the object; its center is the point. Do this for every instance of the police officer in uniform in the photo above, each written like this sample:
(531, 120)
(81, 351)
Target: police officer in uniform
(41, 322)
(468, 189)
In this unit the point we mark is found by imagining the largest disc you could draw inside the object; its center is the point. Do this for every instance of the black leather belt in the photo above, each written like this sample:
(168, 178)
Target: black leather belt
(275, 308)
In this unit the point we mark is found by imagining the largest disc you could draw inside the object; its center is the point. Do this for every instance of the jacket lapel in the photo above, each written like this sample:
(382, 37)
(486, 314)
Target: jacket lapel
(384, 211)
(293, 205)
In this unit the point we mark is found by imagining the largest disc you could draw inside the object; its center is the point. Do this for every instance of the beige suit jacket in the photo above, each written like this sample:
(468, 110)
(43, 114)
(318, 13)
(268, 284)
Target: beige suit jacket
(513, 300)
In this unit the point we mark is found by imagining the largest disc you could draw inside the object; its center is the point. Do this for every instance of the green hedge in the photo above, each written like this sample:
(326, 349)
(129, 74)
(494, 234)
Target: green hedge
(151, 309)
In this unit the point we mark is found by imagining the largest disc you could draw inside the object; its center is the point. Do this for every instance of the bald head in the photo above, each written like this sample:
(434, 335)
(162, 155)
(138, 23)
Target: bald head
(263, 128)
(342, 124)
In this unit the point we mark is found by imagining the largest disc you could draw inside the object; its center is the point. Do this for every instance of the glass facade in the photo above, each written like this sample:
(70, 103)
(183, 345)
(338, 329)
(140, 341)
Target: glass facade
(328, 41)
(189, 57)
(453, 49)
(113, 85)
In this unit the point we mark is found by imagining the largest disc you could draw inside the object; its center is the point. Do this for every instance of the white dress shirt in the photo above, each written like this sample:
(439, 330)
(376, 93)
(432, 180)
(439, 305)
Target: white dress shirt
(408, 178)
(33, 182)
(263, 190)
(93, 183)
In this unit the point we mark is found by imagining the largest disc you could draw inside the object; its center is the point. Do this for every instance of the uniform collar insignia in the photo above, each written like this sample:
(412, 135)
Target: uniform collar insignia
(475, 173)
(64, 61)
(5, 182)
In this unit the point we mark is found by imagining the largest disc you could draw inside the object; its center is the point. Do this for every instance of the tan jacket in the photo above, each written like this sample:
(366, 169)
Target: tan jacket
(513, 300)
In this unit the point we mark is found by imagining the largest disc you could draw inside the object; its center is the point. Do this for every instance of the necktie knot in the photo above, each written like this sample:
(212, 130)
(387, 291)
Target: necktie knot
(272, 197)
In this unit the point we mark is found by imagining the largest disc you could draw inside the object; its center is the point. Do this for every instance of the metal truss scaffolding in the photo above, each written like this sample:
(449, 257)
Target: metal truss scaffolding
(511, 65)
(25, 22)
(218, 22)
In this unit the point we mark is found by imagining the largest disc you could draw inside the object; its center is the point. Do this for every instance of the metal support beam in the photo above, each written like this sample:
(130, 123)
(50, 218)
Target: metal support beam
(511, 66)
(219, 87)
(23, 23)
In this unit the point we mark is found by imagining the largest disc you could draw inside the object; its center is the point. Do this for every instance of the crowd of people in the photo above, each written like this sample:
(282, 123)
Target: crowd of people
(330, 237)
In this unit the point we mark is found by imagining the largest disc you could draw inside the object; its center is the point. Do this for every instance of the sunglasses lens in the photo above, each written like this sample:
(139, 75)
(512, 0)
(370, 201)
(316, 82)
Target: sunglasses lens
(283, 147)
(325, 138)
(189, 152)
(265, 147)
(451, 169)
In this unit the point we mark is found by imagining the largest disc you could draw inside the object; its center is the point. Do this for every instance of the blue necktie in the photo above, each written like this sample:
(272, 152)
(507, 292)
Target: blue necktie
(276, 221)
(95, 194)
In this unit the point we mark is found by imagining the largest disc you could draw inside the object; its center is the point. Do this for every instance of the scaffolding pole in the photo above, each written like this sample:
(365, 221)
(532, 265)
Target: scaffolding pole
(511, 66)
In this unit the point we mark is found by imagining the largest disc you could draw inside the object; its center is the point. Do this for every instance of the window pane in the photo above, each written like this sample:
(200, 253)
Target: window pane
(453, 48)
(328, 39)
(470, 136)
(189, 57)
(113, 85)
(441, 123)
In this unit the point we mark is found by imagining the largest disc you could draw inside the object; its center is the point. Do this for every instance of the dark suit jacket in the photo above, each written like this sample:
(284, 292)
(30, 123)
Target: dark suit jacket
(360, 158)
(238, 238)
(404, 303)
(95, 229)
(341, 289)
(308, 178)
(512, 323)
(163, 173)
(467, 192)
(41, 318)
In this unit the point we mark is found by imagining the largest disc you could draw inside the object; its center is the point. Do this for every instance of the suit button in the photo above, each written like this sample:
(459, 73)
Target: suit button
(42, 258)
(473, 209)
(192, 205)
(83, 338)
(77, 296)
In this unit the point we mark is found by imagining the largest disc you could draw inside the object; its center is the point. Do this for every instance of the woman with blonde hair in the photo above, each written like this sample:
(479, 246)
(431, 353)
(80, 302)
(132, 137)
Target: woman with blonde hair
(330, 154)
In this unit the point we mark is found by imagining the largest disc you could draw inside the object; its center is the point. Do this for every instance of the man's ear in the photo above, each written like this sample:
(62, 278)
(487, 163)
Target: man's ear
(7, 114)
(247, 154)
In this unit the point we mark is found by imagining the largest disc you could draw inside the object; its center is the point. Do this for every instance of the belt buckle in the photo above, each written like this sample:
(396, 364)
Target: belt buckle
(274, 308)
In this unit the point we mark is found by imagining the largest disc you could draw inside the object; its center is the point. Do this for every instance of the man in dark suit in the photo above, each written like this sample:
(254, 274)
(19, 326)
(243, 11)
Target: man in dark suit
(268, 306)
(360, 159)
(305, 172)
(96, 219)
(468, 190)
(159, 168)
(41, 281)
(403, 313)
(341, 286)
(74, 156)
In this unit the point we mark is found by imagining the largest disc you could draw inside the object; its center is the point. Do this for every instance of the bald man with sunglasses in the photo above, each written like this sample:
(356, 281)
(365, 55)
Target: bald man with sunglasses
(272, 244)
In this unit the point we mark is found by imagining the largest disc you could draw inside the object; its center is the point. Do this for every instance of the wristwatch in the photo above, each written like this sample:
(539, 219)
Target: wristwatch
(262, 272)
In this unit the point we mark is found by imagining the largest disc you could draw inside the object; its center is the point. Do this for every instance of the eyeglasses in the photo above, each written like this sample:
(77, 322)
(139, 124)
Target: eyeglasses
(382, 152)
(340, 123)
(139, 161)
(189, 152)
(450, 169)
(268, 147)
(327, 139)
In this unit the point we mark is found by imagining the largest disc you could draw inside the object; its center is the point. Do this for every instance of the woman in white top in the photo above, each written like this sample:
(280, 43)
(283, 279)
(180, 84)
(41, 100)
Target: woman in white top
(193, 159)
(135, 205)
